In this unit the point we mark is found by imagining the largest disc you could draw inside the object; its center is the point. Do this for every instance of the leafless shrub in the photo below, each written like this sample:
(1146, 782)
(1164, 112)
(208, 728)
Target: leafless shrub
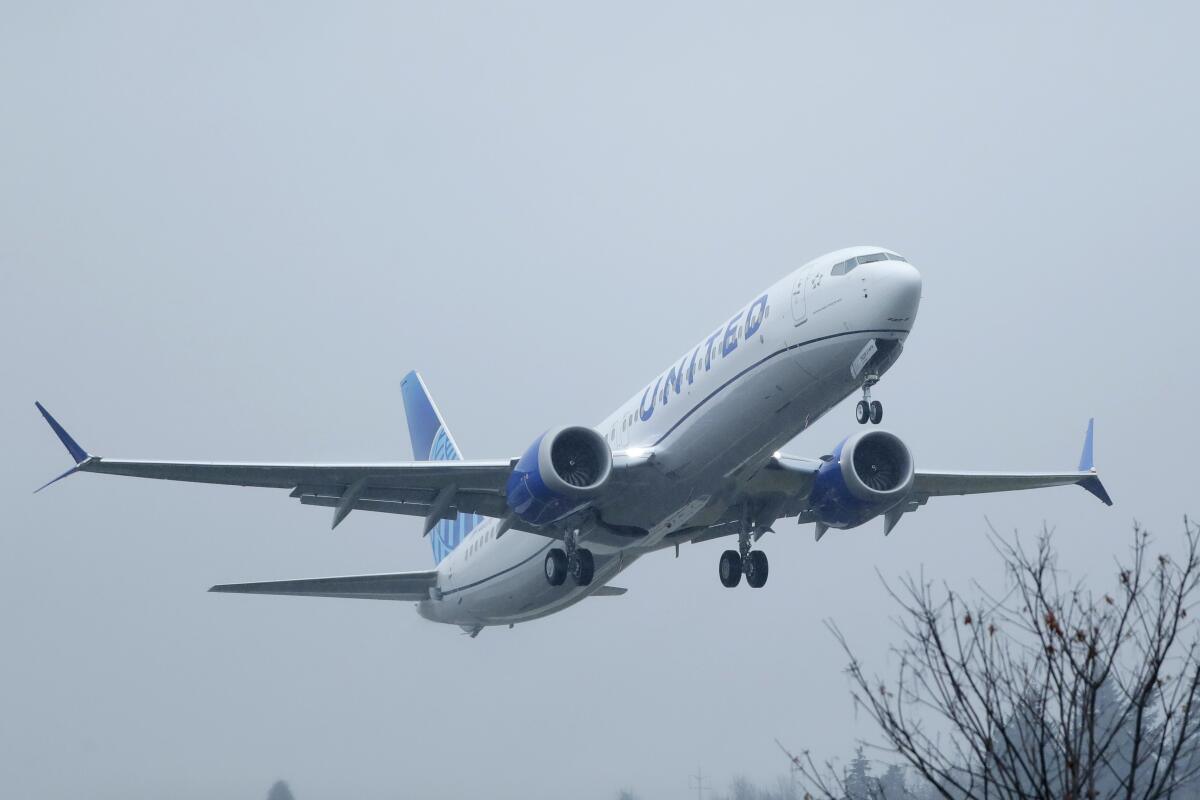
(1047, 691)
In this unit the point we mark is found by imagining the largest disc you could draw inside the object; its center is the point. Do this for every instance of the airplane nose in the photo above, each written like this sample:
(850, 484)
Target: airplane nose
(898, 288)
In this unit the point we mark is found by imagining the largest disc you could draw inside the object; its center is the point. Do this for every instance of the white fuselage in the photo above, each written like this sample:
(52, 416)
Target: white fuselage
(716, 413)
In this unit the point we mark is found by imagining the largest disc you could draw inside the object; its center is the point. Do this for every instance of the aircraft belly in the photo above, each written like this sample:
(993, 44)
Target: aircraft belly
(525, 595)
(516, 591)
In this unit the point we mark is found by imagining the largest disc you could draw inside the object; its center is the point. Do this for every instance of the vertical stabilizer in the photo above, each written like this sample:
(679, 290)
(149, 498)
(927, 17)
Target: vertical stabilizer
(431, 441)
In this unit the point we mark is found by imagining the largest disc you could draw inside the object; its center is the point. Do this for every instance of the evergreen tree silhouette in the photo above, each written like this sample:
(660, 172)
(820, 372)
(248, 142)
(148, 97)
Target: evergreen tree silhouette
(280, 791)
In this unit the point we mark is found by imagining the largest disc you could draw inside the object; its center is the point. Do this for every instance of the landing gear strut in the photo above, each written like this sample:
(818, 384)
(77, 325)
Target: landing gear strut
(578, 562)
(869, 410)
(743, 561)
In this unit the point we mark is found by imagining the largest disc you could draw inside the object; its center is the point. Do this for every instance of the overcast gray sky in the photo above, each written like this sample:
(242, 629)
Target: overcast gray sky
(228, 229)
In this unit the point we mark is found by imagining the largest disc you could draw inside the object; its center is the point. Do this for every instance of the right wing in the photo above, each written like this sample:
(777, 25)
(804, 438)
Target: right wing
(394, 586)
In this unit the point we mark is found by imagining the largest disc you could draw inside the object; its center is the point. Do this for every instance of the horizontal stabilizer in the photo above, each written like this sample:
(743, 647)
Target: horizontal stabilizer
(410, 586)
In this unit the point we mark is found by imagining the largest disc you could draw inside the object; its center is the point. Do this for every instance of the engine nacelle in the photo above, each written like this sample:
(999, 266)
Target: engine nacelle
(868, 474)
(560, 473)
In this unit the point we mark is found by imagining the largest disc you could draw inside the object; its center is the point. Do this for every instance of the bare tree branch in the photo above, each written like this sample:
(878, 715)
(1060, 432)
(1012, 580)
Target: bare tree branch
(1045, 690)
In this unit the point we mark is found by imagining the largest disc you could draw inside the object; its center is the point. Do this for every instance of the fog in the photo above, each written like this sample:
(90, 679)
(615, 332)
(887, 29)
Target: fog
(228, 229)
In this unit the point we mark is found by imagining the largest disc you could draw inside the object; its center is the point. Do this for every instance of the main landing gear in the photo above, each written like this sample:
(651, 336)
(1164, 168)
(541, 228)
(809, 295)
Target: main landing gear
(578, 562)
(743, 561)
(869, 410)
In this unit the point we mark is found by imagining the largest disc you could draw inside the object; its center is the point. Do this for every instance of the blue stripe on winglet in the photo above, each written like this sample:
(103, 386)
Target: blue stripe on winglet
(78, 453)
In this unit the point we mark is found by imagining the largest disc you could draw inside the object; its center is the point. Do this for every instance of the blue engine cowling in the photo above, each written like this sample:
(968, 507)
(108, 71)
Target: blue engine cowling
(868, 474)
(561, 473)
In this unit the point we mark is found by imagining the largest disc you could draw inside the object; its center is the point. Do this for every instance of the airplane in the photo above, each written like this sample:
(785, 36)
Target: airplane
(693, 455)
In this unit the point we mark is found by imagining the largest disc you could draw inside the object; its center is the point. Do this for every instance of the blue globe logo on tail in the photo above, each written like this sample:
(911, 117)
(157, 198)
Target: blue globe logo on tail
(432, 441)
(449, 533)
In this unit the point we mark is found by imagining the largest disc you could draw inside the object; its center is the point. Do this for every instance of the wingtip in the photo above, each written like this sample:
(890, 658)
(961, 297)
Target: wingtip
(1093, 485)
(78, 453)
(66, 474)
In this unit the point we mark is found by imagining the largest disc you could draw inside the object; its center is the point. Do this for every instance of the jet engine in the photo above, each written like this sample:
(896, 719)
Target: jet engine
(868, 474)
(561, 473)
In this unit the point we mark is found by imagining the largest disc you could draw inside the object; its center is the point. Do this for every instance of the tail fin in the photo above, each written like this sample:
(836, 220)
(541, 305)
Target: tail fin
(431, 441)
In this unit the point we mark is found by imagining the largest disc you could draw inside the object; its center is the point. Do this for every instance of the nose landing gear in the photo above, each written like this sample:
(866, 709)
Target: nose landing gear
(869, 410)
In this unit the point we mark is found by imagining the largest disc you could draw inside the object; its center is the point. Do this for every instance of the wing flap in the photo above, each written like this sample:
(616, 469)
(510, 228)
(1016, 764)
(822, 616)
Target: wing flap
(410, 586)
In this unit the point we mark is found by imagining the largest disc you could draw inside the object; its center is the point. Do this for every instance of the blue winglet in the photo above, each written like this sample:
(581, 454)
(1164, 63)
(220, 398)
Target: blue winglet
(69, 472)
(1086, 459)
(78, 453)
(1093, 485)
(1087, 463)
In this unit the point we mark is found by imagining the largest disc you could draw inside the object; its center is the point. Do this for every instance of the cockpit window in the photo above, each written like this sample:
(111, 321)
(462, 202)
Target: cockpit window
(850, 263)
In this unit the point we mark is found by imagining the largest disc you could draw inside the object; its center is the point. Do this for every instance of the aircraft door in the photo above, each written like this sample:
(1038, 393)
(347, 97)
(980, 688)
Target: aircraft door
(799, 307)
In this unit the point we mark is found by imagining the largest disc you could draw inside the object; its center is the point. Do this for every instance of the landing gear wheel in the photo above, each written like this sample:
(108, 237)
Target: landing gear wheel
(862, 412)
(556, 567)
(582, 567)
(730, 569)
(756, 569)
(876, 412)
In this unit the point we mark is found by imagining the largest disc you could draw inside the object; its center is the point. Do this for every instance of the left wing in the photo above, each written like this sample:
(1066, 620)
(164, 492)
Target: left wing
(927, 483)
(781, 488)
(435, 490)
